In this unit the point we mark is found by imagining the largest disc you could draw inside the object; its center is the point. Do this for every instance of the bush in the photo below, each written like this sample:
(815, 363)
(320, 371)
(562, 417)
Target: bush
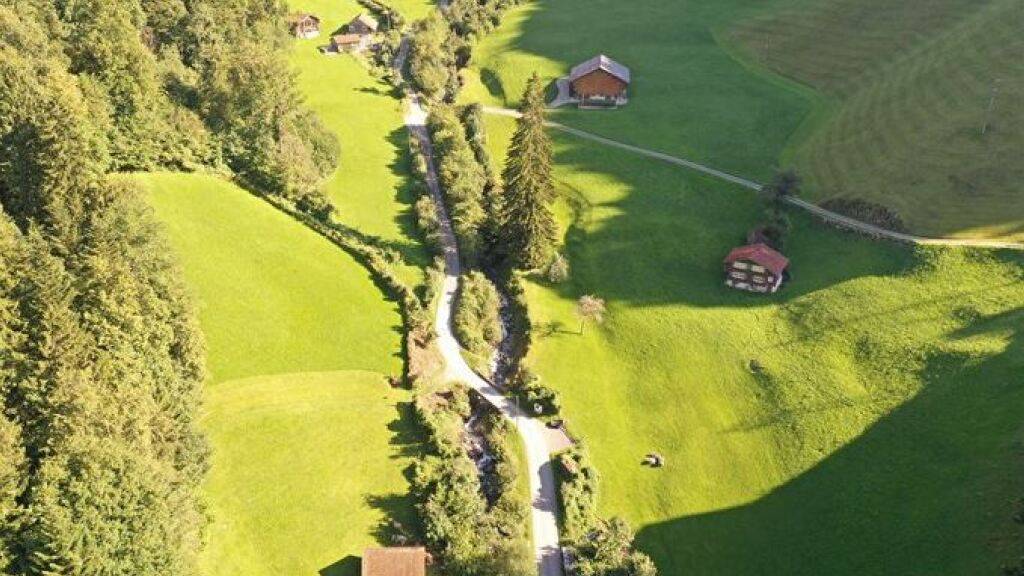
(462, 179)
(578, 493)
(477, 316)
(866, 211)
(558, 269)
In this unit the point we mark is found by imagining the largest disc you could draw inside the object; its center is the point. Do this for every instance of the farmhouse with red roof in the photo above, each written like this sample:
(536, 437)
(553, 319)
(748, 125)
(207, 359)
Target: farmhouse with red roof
(755, 268)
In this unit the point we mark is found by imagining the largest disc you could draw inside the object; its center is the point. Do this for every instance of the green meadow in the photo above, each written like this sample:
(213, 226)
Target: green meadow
(309, 441)
(371, 187)
(865, 420)
(889, 102)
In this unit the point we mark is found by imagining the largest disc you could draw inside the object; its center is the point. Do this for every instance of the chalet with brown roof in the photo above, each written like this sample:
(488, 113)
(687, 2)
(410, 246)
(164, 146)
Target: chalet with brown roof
(349, 42)
(304, 25)
(600, 80)
(362, 24)
(405, 561)
(755, 268)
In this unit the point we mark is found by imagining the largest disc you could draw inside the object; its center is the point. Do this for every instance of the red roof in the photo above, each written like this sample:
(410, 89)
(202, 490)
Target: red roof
(760, 254)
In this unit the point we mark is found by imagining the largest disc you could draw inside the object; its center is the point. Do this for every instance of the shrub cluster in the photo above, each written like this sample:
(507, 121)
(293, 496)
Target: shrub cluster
(463, 180)
(477, 316)
(865, 211)
(441, 44)
(596, 546)
(468, 535)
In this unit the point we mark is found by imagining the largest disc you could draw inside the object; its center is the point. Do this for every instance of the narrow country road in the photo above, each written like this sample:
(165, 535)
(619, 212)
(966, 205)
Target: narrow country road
(543, 490)
(824, 214)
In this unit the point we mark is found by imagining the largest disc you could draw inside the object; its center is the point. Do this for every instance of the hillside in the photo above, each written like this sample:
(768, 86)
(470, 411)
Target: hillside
(300, 341)
(887, 388)
(878, 101)
(927, 119)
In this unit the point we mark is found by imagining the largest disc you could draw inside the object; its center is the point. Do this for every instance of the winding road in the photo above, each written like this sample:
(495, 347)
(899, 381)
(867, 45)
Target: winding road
(824, 214)
(536, 437)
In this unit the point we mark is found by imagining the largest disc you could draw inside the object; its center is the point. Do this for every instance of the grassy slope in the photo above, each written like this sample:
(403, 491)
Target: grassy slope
(914, 87)
(905, 134)
(690, 97)
(274, 296)
(299, 339)
(371, 186)
(291, 494)
(882, 437)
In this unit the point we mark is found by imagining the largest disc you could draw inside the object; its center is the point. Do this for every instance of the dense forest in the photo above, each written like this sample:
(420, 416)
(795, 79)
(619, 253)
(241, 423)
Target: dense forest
(101, 357)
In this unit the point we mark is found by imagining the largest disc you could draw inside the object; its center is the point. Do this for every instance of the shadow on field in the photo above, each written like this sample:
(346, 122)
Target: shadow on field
(919, 481)
(347, 566)
(406, 443)
(660, 233)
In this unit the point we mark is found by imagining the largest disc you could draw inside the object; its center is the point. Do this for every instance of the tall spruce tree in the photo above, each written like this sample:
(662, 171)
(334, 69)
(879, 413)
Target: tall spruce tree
(526, 232)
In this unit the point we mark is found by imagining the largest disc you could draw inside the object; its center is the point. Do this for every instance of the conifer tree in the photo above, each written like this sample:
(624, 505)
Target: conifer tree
(526, 232)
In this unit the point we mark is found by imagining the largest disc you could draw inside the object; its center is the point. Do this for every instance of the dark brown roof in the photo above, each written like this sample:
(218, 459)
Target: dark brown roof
(761, 255)
(601, 62)
(410, 561)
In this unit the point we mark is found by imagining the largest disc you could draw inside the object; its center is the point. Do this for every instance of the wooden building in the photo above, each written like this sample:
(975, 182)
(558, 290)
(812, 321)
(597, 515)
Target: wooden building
(600, 80)
(349, 42)
(362, 24)
(304, 25)
(406, 561)
(755, 268)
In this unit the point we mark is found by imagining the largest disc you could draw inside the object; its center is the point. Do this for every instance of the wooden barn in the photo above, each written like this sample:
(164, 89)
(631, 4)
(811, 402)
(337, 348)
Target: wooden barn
(600, 80)
(363, 25)
(304, 25)
(755, 268)
(349, 42)
(405, 561)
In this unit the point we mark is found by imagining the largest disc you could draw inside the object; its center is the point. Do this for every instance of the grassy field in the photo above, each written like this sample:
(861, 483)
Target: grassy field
(291, 494)
(882, 435)
(274, 296)
(299, 343)
(889, 108)
(371, 186)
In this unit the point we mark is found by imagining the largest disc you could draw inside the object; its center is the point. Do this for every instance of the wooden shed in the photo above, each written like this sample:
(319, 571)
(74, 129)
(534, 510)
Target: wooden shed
(397, 561)
(600, 80)
(304, 25)
(755, 268)
(349, 42)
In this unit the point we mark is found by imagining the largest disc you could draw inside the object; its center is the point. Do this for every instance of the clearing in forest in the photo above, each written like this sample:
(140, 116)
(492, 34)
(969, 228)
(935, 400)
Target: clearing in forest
(309, 442)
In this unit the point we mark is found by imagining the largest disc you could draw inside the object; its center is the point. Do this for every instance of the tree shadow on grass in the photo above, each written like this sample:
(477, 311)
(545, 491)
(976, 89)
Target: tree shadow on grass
(656, 234)
(930, 488)
(414, 252)
(492, 82)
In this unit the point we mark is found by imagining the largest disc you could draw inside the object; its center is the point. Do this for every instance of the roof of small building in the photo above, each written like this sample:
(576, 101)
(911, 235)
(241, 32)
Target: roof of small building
(366, 20)
(760, 254)
(343, 39)
(298, 17)
(601, 62)
(406, 561)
